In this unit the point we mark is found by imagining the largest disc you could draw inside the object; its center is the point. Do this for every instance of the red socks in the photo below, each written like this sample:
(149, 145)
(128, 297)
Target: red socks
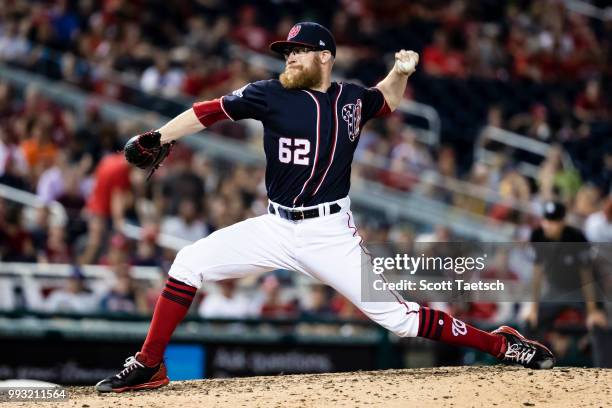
(171, 308)
(437, 325)
(175, 300)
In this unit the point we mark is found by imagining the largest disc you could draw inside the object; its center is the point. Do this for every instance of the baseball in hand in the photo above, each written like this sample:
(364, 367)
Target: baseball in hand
(406, 61)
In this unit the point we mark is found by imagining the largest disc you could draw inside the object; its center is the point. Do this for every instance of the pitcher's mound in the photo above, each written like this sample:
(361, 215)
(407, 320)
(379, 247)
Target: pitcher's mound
(496, 386)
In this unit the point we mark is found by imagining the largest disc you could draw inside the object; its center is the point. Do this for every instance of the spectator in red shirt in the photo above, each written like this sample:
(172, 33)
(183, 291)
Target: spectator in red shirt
(15, 241)
(56, 248)
(112, 176)
(273, 305)
(495, 312)
(590, 105)
(196, 72)
(247, 31)
(107, 202)
(440, 60)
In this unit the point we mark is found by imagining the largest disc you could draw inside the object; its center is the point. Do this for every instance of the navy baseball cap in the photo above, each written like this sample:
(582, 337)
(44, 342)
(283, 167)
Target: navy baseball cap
(307, 34)
(554, 211)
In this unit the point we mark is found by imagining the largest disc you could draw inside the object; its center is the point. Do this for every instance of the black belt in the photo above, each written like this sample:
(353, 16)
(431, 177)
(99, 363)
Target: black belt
(297, 215)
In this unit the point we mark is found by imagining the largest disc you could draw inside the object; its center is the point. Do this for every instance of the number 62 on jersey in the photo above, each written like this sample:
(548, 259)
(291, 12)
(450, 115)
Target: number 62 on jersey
(297, 155)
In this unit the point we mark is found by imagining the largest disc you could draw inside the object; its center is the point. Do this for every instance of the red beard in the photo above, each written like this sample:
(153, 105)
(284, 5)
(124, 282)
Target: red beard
(301, 77)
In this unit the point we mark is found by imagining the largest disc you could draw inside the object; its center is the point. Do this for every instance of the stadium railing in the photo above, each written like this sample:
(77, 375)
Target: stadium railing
(588, 9)
(518, 142)
(33, 202)
(64, 270)
(430, 182)
(58, 216)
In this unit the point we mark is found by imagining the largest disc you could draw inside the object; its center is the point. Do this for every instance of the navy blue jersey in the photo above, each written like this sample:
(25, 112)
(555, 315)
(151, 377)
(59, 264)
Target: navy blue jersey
(309, 136)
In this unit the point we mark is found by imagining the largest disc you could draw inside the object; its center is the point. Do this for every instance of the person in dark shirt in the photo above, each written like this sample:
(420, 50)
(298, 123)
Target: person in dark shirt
(562, 257)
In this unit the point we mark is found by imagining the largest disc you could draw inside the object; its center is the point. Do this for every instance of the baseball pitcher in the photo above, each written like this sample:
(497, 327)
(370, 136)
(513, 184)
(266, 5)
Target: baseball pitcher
(311, 129)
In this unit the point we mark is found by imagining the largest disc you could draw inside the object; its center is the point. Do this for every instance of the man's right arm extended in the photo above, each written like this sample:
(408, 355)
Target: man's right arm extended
(200, 116)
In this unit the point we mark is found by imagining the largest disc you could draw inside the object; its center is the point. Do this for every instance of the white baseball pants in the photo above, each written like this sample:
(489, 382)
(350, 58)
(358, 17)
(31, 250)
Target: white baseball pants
(327, 248)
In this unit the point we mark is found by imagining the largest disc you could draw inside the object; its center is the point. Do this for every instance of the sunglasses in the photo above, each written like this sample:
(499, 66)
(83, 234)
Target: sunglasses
(297, 51)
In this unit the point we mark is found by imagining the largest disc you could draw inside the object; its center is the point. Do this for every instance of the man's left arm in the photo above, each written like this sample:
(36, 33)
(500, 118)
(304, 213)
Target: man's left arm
(594, 317)
(394, 84)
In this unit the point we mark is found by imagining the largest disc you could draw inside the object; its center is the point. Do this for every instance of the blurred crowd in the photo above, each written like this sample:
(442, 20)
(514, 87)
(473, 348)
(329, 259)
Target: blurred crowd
(531, 67)
(184, 47)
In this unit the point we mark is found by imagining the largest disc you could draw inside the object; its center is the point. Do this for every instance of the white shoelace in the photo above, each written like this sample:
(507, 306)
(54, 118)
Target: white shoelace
(130, 364)
(521, 353)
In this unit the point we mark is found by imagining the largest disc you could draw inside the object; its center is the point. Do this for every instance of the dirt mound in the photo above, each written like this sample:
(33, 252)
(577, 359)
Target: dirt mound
(432, 387)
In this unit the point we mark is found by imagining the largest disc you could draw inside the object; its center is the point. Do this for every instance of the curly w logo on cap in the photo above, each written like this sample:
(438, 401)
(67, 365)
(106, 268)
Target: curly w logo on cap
(306, 34)
(294, 31)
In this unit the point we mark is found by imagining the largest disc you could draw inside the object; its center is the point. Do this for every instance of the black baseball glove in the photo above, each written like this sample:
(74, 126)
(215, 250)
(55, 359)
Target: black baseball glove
(146, 151)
